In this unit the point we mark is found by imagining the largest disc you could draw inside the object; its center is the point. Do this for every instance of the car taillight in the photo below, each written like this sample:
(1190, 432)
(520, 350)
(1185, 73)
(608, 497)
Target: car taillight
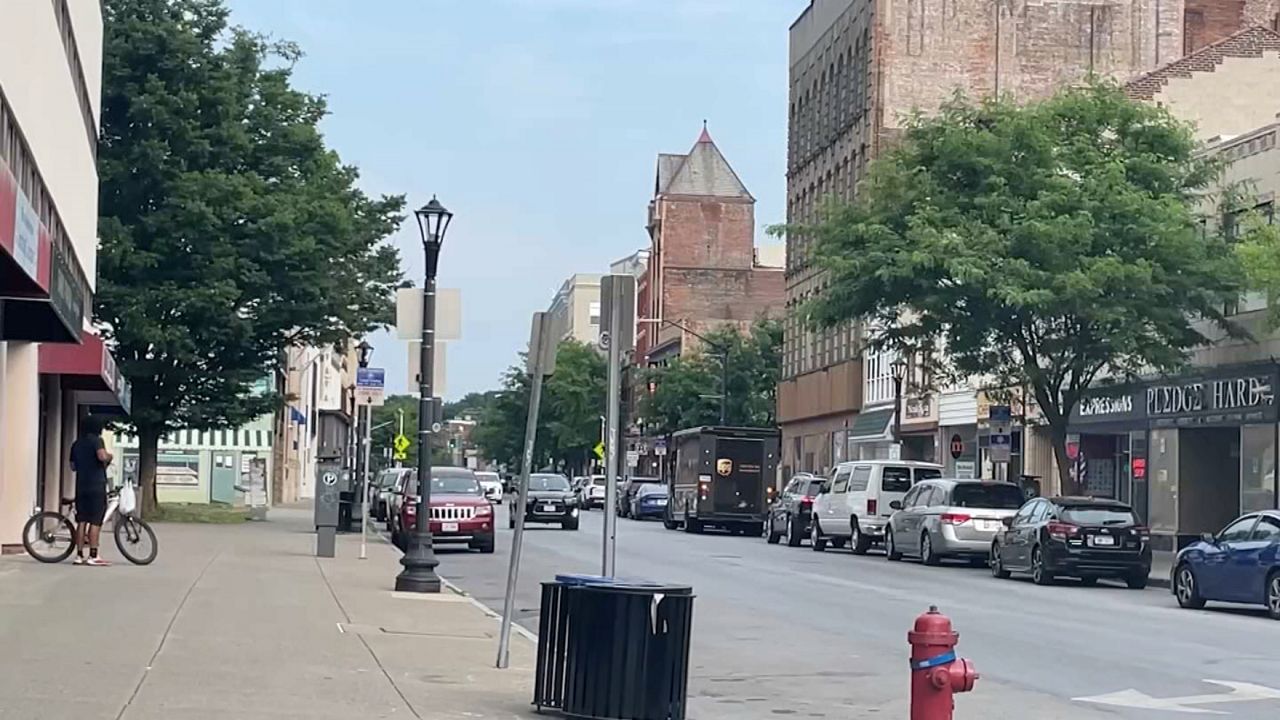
(872, 506)
(410, 509)
(484, 510)
(1142, 532)
(1062, 531)
(806, 501)
(955, 518)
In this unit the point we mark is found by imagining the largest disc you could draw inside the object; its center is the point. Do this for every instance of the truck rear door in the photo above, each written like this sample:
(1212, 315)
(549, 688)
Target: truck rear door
(738, 485)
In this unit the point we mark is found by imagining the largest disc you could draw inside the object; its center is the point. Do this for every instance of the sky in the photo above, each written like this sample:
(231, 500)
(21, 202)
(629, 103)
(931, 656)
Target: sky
(538, 124)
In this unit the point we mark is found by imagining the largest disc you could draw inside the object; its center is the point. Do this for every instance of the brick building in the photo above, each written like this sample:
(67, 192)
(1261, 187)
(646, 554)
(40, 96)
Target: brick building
(703, 271)
(856, 68)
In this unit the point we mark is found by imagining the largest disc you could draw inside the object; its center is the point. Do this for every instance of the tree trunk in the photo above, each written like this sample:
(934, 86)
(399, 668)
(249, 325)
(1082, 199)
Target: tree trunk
(148, 452)
(1066, 485)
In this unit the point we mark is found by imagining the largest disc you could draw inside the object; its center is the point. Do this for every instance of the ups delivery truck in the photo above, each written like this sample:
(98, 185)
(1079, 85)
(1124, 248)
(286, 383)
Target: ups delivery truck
(724, 477)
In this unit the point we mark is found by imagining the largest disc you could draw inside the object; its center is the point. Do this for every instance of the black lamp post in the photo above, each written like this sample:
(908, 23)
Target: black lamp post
(899, 369)
(419, 561)
(363, 352)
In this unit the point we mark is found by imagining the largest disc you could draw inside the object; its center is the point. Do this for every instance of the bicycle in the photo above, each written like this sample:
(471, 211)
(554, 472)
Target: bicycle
(50, 536)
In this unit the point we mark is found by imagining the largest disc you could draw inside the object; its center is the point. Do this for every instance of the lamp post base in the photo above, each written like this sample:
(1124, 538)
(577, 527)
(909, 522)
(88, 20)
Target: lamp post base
(419, 561)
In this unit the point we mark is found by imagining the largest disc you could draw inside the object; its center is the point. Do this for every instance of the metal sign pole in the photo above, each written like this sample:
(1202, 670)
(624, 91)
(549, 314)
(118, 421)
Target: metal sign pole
(364, 482)
(610, 545)
(537, 367)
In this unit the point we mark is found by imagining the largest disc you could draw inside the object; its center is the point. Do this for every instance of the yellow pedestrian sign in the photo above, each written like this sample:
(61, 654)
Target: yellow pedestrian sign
(599, 448)
(401, 443)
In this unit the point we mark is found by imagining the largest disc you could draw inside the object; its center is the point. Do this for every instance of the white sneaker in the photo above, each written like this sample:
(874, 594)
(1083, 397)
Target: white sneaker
(97, 562)
(80, 560)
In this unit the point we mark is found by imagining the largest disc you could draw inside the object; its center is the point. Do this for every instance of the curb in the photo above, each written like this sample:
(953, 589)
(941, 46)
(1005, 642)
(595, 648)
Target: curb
(520, 630)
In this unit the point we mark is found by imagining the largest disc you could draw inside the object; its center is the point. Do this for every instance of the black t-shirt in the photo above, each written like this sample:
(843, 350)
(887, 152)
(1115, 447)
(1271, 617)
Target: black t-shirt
(91, 474)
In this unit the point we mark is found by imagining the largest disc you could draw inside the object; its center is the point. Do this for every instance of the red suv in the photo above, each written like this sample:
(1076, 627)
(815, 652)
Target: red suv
(460, 513)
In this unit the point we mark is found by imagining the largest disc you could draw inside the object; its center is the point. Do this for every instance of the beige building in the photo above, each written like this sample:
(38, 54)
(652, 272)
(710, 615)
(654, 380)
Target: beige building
(576, 308)
(318, 386)
(53, 368)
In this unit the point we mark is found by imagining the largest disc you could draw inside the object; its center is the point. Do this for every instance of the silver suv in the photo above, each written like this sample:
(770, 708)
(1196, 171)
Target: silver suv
(950, 518)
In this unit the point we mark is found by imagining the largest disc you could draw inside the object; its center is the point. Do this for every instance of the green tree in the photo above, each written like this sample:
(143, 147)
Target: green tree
(1259, 253)
(1051, 244)
(389, 416)
(573, 400)
(228, 230)
(686, 391)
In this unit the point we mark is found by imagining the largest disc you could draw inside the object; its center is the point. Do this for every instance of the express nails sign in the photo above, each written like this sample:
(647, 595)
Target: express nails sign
(1223, 396)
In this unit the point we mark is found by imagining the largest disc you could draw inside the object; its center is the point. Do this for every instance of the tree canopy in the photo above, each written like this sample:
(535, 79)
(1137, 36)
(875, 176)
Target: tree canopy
(228, 229)
(685, 392)
(1051, 244)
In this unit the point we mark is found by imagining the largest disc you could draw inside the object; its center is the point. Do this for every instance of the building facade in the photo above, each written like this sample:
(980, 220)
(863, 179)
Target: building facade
(858, 67)
(209, 466)
(576, 308)
(53, 369)
(702, 271)
(316, 421)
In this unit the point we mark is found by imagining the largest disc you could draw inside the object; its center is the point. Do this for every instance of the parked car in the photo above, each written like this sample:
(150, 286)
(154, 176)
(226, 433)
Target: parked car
(383, 489)
(856, 508)
(459, 511)
(628, 490)
(1081, 537)
(650, 501)
(491, 484)
(950, 518)
(1241, 564)
(596, 492)
(789, 515)
(396, 495)
(551, 500)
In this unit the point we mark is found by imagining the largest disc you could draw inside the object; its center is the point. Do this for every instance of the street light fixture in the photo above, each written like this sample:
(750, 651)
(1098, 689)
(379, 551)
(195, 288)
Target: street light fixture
(899, 369)
(363, 352)
(419, 561)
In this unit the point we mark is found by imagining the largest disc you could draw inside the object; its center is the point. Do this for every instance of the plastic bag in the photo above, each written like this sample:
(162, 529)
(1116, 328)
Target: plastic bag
(128, 499)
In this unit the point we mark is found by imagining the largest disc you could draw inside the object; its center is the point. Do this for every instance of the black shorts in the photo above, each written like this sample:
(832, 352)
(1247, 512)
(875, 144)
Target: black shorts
(91, 508)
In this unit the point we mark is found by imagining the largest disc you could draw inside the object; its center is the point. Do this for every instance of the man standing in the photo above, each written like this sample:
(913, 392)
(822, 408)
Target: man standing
(89, 460)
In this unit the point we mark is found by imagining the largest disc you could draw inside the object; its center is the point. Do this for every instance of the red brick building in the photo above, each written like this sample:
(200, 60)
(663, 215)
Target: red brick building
(703, 270)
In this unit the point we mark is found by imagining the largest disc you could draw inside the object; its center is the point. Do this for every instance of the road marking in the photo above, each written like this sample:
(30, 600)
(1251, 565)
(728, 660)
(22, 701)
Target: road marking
(1240, 692)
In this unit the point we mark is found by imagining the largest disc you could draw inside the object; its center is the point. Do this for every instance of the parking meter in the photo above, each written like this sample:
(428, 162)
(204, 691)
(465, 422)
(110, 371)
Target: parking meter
(328, 489)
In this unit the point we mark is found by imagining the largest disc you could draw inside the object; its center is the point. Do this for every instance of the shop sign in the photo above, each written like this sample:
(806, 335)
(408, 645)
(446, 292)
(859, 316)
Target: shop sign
(68, 291)
(1209, 400)
(26, 236)
(957, 446)
(1139, 468)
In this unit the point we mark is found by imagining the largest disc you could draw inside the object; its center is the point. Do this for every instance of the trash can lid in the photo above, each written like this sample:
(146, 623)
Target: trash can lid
(577, 579)
(622, 583)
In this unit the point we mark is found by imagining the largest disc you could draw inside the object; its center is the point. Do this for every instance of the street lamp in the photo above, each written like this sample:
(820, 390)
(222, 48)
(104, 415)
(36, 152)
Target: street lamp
(899, 369)
(363, 351)
(419, 561)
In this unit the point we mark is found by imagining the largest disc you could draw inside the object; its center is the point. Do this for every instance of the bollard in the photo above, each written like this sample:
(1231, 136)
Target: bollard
(936, 673)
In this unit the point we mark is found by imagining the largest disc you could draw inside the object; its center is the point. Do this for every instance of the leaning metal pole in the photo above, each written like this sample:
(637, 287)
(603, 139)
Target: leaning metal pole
(419, 561)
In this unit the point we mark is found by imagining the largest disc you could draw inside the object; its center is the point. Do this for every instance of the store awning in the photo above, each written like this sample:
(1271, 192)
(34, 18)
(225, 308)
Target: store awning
(873, 425)
(90, 369)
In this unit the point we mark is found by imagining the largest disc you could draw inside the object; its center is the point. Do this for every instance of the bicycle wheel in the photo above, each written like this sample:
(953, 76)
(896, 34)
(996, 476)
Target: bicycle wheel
(49, 537)
(135, 539)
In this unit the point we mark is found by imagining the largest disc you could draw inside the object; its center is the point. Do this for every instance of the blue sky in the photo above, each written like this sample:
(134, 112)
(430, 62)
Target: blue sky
(538, 123)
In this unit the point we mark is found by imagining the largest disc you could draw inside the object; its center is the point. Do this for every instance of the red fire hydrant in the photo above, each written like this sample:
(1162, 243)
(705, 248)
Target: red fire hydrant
(936, 673)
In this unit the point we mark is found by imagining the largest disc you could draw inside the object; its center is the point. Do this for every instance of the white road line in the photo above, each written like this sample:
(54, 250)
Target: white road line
(1240, 692)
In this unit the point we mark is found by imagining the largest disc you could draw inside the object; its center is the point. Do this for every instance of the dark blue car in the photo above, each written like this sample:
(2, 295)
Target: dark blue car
(1241, 564)
(650, 501)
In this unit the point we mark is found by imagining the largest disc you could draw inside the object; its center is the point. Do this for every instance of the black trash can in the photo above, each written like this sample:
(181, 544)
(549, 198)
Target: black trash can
(614, 648)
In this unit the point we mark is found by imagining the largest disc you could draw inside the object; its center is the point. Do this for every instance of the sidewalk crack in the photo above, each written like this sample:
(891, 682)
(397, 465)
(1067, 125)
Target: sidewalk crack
(146, 672)
(376, 660)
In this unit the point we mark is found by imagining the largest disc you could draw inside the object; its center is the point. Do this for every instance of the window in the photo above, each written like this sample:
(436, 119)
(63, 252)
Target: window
(1268, 530)
(1099, 515)
(896, 479)
(815, 487)
(1239, 530)
(841, 483)
(990, 496)
(1028, 512)
(912, 497)
(861, 478)
(937, 496)
(595, 313)
(927, 474)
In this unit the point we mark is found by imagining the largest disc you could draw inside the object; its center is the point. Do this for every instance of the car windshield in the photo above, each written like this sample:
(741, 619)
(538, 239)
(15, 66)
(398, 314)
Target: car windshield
(814, 487)
(548, 482)
(1098, 515)
(996, 496)
(452, 484)
(600, 481)
(387, 479)
(488, 477)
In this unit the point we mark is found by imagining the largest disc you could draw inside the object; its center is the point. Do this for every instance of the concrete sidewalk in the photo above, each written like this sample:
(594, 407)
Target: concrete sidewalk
(241, 621)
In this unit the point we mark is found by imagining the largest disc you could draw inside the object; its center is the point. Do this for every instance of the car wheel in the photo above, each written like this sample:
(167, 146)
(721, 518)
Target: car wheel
(669, 522)
(570, 524)
(486, 547)
(1186, 589)
(1137, 580)
(1273, 595)
(794, 536)
(771, 537)
(511, 519)
(816, 539)
(1039, 574)
(997, 564)
(692, 525)
(927, 555)
(890, 548)
(860, 543)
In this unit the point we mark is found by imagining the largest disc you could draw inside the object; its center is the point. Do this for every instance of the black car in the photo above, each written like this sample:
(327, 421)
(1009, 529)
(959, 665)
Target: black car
(790, 514)
(551, 500)
(1081, 537)
(627, 492)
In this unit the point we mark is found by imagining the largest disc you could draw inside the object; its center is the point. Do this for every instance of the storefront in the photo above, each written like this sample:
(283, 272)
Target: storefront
(1191, 453)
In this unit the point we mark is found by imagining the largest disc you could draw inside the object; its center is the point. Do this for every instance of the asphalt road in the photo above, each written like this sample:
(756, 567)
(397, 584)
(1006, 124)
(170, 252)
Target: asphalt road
(783, 631)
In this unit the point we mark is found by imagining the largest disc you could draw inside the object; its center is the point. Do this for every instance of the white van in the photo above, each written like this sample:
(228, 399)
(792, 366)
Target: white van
(856, 508)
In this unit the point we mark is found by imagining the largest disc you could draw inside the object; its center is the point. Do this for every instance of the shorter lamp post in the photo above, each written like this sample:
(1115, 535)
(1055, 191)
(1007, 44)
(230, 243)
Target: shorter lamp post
(899, 369)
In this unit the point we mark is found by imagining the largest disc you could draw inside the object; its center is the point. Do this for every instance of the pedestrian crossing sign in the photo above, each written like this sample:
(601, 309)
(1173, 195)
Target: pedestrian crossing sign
(400, 455)
(599, 450)
(401, 445)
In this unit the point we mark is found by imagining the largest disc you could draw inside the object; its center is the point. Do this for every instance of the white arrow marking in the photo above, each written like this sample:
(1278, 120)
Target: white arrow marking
(1240, 692)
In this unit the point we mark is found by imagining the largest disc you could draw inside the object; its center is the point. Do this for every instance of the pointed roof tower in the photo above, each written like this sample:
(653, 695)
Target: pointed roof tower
(704, 171)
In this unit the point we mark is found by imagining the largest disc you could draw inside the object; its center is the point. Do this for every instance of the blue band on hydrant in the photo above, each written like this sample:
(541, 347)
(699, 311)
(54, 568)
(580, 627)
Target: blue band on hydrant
(935, 661)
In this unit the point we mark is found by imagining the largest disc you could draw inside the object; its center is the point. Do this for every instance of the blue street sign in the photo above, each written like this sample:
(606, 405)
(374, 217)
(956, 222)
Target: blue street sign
(371, 377)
